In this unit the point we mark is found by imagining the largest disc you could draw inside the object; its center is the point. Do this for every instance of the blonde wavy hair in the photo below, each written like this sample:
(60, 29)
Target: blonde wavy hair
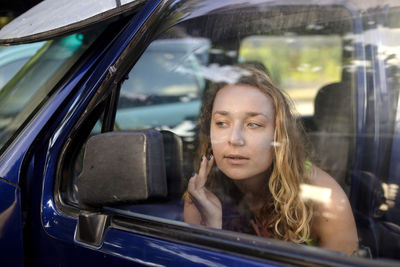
(285, 215)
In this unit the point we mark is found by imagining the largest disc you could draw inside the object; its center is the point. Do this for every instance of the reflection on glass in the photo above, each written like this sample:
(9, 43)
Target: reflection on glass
(390, 193)
(254, 174)
(315, 57)
(43, 65)
(315, 193)
(298, 64)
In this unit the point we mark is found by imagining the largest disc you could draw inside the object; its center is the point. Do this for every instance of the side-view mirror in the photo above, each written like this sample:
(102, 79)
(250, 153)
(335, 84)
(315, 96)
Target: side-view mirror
(122, 168)
(118, 168)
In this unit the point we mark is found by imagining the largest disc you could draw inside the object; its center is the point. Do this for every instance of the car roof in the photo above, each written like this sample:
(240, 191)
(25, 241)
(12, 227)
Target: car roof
(67, 16)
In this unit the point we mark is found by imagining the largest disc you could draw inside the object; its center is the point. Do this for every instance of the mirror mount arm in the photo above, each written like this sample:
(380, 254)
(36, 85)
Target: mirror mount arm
(91, 227)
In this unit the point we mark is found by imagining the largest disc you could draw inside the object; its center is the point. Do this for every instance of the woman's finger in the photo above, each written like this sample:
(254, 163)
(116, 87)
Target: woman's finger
(210, 164)
(191, 183)
(202, 176)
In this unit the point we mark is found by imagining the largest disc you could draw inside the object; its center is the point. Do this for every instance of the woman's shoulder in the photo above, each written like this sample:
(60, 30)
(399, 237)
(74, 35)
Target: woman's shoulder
(333, 222)
(323, 180)
(326, 194)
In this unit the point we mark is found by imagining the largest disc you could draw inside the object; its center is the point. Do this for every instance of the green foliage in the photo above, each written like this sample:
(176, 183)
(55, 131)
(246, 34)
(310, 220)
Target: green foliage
(295, 62)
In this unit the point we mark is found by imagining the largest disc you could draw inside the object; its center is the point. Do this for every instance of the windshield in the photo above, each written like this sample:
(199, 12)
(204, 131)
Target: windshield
(29, 72)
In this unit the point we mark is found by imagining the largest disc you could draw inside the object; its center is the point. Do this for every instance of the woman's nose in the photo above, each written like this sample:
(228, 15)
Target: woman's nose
(237, 138)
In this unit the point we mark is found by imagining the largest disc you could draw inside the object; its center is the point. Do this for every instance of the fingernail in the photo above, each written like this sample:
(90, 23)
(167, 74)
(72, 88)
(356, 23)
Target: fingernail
(194, 173)
(201, 159)
(210, 156)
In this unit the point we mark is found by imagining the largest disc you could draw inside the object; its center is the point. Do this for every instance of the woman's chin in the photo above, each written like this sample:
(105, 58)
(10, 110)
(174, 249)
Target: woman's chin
(236, 175)
(245, 174)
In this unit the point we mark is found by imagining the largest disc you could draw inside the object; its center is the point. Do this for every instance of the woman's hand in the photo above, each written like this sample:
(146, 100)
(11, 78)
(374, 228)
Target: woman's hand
(204, 207)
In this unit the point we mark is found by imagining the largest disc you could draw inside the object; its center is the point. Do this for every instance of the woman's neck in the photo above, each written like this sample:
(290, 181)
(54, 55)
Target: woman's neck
(255, 190)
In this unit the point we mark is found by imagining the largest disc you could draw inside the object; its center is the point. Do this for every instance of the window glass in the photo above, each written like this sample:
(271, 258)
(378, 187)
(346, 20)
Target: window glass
(300, 65)
(378, 210)
(14, 57)
(29, 72)
(163, 89)
(309, 54)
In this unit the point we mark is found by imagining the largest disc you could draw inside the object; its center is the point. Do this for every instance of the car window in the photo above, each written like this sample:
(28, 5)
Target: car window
(305, 50)
(29, 73)
(13, 58)
(378, 183)
(294, 63)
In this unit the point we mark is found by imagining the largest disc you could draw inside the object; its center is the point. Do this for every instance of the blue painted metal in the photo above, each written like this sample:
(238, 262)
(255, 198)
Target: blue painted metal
(11, 247)
(155, 252)
(361, 102)
(11, 160)
(56, 224)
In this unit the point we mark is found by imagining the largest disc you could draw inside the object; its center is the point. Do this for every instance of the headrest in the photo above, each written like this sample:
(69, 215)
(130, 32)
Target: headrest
(333, 107)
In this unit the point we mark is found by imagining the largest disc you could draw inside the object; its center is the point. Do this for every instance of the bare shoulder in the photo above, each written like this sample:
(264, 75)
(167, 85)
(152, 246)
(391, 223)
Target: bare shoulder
(333, 223)
(333, 199)
(322, 179)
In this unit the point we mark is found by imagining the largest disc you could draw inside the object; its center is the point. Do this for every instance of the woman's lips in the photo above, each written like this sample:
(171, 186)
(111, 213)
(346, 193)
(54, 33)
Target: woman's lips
(236, 159)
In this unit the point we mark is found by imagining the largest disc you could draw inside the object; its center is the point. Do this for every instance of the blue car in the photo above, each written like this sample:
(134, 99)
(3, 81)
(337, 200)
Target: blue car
(99, 125)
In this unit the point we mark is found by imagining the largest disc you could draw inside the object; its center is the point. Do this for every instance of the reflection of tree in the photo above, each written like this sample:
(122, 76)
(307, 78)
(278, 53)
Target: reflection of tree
(296, 59)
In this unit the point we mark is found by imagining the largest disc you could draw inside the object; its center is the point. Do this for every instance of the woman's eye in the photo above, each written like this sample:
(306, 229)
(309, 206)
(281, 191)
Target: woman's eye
(221, 124)
(254, 125)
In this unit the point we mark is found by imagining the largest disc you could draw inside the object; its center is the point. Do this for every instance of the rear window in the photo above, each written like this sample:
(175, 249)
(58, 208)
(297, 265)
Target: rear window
(300, 65)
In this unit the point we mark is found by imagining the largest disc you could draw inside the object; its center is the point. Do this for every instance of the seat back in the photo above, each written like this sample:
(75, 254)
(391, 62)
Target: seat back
(333, 119)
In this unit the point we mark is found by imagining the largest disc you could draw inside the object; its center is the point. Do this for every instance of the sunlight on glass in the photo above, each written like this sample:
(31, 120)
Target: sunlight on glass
(315, 193)
(390, 192)
(217, 73)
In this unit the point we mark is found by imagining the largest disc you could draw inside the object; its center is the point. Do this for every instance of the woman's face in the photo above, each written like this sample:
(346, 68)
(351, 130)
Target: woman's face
(242, 130)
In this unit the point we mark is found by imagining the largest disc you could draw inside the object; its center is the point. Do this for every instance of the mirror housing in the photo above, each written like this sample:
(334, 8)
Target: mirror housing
(121, 168)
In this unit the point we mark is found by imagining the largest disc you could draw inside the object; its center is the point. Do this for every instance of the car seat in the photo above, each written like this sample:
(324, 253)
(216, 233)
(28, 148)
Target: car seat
(334, 134)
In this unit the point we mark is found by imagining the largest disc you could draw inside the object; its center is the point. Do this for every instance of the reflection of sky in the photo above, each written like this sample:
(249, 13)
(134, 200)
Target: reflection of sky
(217, 73)
(315, 193)
(184, 129)
(385, 39)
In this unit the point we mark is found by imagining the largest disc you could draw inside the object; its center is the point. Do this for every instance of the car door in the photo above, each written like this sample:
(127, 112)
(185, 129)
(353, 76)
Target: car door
(159, 82)
(152, 74)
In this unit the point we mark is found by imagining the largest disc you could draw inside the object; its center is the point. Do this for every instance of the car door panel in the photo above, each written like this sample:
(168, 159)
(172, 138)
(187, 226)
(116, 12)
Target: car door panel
(11, 246)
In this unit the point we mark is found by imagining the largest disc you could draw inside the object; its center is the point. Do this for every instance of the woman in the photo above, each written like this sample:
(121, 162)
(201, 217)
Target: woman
(254, 174)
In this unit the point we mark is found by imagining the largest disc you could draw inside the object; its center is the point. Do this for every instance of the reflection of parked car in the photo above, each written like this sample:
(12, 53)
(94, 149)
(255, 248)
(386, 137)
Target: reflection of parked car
(174, 95)
(83, 93)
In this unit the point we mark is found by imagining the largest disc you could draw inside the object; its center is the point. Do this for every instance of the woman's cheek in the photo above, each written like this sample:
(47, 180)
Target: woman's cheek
(218, 137)
(218, 140)
(262, 140)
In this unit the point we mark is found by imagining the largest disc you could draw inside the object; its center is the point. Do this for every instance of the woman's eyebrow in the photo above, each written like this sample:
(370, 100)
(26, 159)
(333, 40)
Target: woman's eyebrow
(221, 112)
(253, 114)
(248, 114)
